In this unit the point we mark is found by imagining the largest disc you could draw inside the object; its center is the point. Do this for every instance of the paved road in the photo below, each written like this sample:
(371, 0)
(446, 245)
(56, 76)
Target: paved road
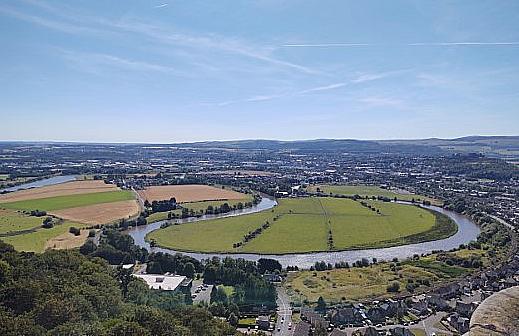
(502, 221)
(284, 312)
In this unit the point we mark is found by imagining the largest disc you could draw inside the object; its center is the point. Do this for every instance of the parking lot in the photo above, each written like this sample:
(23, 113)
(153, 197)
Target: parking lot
(201, 292)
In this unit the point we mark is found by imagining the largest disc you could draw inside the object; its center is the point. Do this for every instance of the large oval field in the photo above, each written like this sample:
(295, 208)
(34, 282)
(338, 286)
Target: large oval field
(310, 225)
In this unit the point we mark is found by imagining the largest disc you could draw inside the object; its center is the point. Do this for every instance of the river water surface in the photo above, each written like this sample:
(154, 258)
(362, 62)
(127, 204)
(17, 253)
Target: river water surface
(42, 183)
(467, 231)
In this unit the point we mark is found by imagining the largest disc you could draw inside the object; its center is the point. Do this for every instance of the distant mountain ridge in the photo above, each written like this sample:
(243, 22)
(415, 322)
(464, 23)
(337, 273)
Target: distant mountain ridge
(495, 146)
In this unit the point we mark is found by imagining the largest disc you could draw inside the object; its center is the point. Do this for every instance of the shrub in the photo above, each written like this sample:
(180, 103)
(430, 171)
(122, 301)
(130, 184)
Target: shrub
(393, 287)
(74, 230)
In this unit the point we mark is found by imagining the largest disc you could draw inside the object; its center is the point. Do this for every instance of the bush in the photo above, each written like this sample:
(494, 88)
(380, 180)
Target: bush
(48, 223)
(74, 230)
(393, 287)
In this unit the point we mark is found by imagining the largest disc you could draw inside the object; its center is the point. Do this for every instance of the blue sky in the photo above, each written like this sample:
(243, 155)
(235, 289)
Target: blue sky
(174, 71)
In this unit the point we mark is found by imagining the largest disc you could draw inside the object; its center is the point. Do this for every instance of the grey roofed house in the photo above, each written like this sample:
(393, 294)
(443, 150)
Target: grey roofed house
(263, 322)
(465, 309)
(397, 307)
(376, 315)
(314, 318)
(418, 304)
(337, 332)
(370, 331)
(344, 315)
(459, 323)
(302, 329)
(437, 301)
(400, 331)
(449, 291)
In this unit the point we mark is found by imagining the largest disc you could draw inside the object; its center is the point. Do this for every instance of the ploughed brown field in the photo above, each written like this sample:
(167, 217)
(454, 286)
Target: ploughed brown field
(62, 189)
(67, 240)
(100, 213)
(189, 193)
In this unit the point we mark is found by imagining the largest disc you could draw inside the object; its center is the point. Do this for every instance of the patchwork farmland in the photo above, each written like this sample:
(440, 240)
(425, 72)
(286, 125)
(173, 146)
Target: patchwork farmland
(72, 204)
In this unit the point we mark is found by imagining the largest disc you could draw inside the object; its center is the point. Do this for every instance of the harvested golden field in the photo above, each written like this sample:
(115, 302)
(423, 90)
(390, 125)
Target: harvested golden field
(67, 240)
(99, 213)
(62, 189)
(189, 193)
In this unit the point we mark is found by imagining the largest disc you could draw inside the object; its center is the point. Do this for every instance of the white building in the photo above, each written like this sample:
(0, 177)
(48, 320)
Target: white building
(162, 282)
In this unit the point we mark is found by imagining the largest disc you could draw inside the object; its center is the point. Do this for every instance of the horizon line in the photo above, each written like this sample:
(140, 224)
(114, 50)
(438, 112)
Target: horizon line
(246, 139)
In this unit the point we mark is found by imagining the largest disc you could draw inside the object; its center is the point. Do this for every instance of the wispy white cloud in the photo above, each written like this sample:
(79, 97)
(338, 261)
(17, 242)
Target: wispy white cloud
(323, 88)
(368, 77)
(90, 62)
(47, 23)
(416, 44)
(161, 5)
(77, 23)
(286, 94)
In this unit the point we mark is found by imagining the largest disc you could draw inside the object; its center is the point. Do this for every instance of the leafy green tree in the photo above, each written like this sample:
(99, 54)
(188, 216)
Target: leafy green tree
(189, 270)
(233, 319)
(321, 304)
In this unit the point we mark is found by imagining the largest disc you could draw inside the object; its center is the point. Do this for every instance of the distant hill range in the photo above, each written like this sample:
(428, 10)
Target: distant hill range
(506, 147)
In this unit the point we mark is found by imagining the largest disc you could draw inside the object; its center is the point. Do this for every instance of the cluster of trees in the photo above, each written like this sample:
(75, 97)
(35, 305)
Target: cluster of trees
(161, 206)
(452, 259)
(323, 266)
(116, 248)
(160, 263)
(369, 206)
(330, 240)
(223, 306)
(48, 223)
(66, 293)
(253, 234)
(266, 265)
(139, 221)
(479, 167)
(38, 213)
(412, 284)
(250, 288)
(292, 268)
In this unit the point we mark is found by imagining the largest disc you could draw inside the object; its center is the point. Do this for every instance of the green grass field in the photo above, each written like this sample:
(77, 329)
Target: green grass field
(368, 282)
(302, 225)
(35, 241)
(202, 206)
(25, 232)
(159, 216)
(70, 201)
(12, 221)
(196, 207)
(364, 190)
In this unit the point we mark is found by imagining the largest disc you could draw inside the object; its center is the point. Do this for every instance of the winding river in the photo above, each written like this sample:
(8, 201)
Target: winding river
(467, 231)
(42, 183)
